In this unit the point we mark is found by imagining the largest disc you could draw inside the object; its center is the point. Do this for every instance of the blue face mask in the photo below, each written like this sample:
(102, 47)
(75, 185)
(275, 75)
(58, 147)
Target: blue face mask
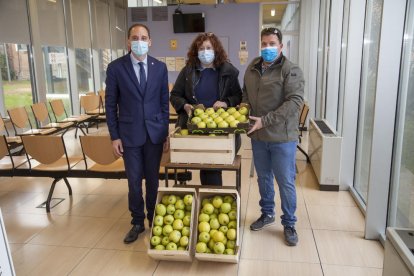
(269, 54)
(139, 47)
(206, 56)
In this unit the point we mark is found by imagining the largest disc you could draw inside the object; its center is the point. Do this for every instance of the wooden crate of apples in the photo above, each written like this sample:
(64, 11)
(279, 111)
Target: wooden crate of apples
(208, 120)
(172, 230)
(218, 225)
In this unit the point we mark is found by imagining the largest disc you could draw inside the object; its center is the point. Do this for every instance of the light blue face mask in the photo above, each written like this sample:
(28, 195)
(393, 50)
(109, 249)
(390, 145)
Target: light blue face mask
(206, 56)
(139, 47)
(269, 54)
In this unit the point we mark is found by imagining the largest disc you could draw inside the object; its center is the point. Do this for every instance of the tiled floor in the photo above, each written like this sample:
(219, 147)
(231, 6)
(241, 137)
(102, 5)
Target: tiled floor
(83, 234)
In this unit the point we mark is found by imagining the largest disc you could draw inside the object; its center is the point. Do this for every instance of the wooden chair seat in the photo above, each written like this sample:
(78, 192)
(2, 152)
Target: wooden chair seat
(117, 166)
(59, 125)
(14, 139)
(60, 165)
(36, 131)
(7, 161)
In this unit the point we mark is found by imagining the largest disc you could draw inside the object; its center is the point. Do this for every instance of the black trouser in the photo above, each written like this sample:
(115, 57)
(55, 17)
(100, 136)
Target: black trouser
(213, 177)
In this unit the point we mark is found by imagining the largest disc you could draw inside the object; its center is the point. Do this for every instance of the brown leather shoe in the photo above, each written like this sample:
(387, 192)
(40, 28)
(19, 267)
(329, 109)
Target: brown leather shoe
(132, 235)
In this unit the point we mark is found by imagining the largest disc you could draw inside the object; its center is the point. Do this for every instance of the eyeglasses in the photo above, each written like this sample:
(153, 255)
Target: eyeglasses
(209, 34)
(270, 30)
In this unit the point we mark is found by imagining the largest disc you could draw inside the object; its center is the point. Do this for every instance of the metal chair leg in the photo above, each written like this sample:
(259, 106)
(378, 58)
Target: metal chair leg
(49, 197)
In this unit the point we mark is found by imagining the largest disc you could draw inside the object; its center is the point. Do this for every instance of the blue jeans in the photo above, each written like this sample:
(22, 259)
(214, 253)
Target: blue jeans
(277, 160)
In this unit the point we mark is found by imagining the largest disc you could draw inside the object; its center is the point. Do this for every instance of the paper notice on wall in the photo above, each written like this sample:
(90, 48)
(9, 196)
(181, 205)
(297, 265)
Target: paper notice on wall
(179, 63)
(170, 61)
(243, 45)
(243, 56)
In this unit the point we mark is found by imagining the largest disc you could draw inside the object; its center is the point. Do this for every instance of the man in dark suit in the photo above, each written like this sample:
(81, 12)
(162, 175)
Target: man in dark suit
(136, 101)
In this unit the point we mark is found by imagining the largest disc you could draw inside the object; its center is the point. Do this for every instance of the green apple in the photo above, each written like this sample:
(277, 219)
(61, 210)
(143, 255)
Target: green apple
(236, 114)
(184, 241)
(157, 230)
(211, 244)
(223, 218)
(168, 219)
(224, 115)
(203, 217)
(204, 237)
(223, 124)
(214, 115)
(208, 120)
(212, 231)
(214, 223)
(185, 231)
(178, 224)
(232, 224)
(208, 209)
(164, 199)
(175, 236)
(184, 131)
(229, 251)
(242, 118)
(230, 119)
(205, 201)
(220, 110)
(188, 200)
(179, 204)
(170, 209)
(159, 247)
(158, 220)
(218, 120)
(218, 236)
(195, 120)
(213, 215)
(234, 123)
(219, 248)
(224, 240)
(225, 207)
(204, 226)
(186, 221)
(234, 205)
(188, 208)
(243, 110)
(155, 240)
(232, 215)
(231, 244)
(172, 199)
(231, 110)
(212, 124)
(179, 214)
(209, 111)
(198, 111)
(165, 240)
(201, 247)
(223, 229)
(167, 229)
(228, 199)
(160, 210)
(208, 250)
(231, 234)
(217, 201)
(171, 246)
(181, 248)
(201, 125)
(204, 116)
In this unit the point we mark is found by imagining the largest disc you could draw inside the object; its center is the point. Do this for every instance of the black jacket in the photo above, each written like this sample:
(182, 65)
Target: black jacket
(183, 91)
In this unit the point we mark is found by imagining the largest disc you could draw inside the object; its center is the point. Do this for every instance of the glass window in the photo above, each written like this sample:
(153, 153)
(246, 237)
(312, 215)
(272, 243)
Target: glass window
(15, 75)
(367, 96)
(401, 201)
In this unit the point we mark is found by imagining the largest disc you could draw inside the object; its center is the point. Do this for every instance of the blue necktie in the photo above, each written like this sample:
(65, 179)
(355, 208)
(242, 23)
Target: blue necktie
(142, 78)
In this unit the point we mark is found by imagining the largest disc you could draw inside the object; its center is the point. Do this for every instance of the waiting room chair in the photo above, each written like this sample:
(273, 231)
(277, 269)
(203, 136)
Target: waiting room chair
(48, 154)
(11, 140)
(99, 150)
(61, 116)
(21, 123)
(43, 119)
(8, 162)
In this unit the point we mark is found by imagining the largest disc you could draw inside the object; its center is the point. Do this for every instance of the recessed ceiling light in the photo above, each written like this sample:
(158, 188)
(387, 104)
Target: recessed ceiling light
(272, 12)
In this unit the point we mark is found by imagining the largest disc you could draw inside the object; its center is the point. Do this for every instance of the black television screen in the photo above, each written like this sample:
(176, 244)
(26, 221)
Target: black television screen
(188, 22)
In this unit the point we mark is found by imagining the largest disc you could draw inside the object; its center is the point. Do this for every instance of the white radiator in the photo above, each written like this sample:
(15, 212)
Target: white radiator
(324, 151)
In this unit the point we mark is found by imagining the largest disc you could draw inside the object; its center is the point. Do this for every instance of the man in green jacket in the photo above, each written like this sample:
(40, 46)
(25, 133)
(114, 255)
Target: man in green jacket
(273, 87)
